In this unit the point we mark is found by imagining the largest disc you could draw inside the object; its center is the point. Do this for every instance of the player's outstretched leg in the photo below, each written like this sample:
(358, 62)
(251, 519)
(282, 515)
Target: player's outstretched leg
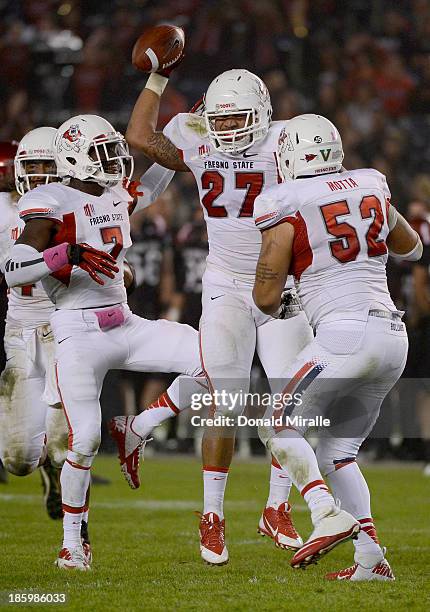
(332, 526)
(131, 433)
(337, 461)
(276, 521)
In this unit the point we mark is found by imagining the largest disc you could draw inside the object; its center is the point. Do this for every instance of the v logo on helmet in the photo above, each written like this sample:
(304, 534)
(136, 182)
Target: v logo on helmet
(325, 154)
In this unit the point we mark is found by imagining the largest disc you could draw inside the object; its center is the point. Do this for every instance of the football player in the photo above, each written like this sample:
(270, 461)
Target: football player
(230, 150)
(75, 238)
(334, 231)
(29, 403)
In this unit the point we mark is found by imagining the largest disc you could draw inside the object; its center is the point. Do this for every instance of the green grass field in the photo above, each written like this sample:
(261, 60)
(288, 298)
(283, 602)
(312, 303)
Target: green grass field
(146, 553)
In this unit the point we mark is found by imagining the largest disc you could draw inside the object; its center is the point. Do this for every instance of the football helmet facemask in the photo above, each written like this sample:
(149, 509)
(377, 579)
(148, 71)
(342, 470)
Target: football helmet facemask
(88, 148)
(237, 93)
(34, 160)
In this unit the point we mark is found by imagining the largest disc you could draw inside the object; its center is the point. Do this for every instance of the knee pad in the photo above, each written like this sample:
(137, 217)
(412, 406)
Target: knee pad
(79, 459)
(19, 462)
(86, 440)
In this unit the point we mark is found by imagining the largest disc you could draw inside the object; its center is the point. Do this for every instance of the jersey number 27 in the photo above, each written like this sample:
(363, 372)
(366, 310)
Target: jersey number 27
(214, 181)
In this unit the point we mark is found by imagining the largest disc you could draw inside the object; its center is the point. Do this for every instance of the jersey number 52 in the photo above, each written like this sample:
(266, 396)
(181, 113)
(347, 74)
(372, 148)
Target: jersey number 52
(346, 247)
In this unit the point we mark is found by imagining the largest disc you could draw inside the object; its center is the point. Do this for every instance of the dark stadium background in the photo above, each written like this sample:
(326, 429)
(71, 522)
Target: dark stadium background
(365, 64)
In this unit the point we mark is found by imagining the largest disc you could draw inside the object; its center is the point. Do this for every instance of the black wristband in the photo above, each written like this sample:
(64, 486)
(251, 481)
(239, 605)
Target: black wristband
(74, 254)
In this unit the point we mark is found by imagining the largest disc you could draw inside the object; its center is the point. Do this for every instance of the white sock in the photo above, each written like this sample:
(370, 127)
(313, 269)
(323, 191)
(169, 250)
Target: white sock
(214, 483)
(295, 455)
(74, 479)
(159, 411)
(85, 516)
(280, 485)
(318, 499)
(169, 404)
(349, 485)
(72, 529)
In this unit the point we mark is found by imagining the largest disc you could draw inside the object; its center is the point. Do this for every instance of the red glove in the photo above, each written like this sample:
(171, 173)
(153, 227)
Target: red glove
(133, 188)
(92, 261)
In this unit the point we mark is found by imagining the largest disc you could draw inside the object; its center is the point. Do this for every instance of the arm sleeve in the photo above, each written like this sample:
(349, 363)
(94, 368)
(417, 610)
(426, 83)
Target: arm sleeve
(153, 183)
(25, 266)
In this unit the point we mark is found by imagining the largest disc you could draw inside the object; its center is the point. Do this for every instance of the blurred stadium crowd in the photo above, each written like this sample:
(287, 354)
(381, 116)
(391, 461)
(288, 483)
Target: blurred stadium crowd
(364, 64)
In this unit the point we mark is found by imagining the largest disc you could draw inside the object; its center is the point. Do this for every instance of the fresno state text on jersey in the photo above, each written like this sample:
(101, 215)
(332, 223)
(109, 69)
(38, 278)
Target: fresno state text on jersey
(228, 186)
(100, 221)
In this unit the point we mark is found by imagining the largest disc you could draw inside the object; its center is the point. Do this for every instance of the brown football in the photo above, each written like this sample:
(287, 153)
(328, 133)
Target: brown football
(158, 48)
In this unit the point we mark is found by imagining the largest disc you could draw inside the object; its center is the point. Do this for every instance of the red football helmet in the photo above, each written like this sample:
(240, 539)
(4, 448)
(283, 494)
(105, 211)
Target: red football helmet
(7, 155)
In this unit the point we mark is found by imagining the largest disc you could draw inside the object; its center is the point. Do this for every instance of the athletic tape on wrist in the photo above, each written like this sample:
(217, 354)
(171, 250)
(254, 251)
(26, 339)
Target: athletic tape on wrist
(156, 83)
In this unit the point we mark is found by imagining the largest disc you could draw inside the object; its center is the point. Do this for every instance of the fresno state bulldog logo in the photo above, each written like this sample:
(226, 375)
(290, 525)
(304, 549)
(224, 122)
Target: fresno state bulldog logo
(72, 139)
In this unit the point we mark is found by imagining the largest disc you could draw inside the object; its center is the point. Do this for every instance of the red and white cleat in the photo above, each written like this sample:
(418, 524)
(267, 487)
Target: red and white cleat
(72, 559)
(358, 573)
(130, 447)
(278, 525)
(212, 545)
(335, 526)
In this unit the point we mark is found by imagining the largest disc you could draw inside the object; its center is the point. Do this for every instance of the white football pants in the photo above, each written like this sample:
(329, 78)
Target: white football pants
(85, 353)
(30, 406)
(232, 328)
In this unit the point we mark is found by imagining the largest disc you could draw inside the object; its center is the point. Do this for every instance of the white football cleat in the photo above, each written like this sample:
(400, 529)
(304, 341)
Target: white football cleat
(334, 527)
(130, 447)
(358, 573)
(276, 523)
(72, 559)
(212, 545)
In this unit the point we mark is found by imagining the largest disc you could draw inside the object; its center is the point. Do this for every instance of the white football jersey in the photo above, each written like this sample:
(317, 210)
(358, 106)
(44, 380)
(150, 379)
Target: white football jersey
(100, 221)
(228, 186)
(339, 250)
(28, 306)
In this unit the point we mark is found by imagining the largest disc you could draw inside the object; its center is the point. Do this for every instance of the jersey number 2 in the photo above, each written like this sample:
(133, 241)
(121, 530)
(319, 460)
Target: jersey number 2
(347, 246)
(214, 181)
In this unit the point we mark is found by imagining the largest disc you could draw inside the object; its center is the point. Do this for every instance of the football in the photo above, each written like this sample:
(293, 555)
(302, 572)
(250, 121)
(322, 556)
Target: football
(158, 48)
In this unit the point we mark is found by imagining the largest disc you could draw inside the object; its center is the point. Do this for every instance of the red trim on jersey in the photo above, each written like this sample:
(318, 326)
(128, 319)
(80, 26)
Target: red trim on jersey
(66, 233)
(302, 252)
(31, 211)
(72, 509)
(267, 216)
(77, 465)
(276, 464)
(302, 255)
(311, 485)
(69, 425)
(215, 468)
(277, 168)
